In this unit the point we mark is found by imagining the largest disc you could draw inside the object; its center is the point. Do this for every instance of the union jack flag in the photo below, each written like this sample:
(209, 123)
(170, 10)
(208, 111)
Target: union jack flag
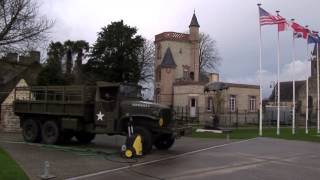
(313, 37)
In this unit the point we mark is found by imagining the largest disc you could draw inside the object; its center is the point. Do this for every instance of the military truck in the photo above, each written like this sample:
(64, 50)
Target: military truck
(54, 114)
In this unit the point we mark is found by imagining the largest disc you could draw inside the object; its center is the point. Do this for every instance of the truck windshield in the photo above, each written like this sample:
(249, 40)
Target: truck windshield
(130, 91)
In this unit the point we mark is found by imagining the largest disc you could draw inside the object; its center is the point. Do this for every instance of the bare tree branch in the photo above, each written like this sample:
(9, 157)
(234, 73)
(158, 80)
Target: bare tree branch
(209, 54)
(146, 60)
(21, 26)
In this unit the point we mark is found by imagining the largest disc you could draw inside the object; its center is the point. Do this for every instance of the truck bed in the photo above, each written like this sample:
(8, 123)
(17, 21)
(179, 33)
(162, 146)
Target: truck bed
(55, 100)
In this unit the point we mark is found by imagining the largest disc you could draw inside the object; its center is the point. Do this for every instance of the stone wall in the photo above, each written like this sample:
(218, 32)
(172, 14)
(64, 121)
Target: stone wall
(33, 56)
(242, 97)
(183, 94)
(9, 122)
(181, 52)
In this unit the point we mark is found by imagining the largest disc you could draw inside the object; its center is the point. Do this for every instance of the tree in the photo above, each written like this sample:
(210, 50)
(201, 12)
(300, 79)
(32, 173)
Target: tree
(69, 50)
(58, 51)
(73, 72)
(80, 47)
(209, 55)
(52, 72)
(146, 61)
(21, 25)
(114, 56)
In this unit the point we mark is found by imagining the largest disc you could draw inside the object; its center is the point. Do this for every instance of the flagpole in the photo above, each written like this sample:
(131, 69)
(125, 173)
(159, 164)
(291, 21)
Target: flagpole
(293, 86)
(307, 90)
(318, 103)
(260, 78)
(278, 79)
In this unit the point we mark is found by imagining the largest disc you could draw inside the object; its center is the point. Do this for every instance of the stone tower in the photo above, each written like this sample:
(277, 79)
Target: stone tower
(177, 60)
(195, 46)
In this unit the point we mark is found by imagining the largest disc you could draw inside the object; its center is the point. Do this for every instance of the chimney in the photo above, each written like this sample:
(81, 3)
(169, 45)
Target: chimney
(213, 77)
(34, 56)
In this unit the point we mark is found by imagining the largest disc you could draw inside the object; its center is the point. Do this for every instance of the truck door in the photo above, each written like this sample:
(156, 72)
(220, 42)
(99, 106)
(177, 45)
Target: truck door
(105, 108)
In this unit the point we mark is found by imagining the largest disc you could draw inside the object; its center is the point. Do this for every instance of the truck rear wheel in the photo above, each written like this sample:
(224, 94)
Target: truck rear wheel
(146, 138)
(164, 142)
(85, 137)
(50, 132)
(31, 131)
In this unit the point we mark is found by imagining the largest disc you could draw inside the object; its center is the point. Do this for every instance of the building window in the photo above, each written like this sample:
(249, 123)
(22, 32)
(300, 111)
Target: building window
(209, 103)
(192, 75)
(232, 103)
(252, 103)
(186, 74)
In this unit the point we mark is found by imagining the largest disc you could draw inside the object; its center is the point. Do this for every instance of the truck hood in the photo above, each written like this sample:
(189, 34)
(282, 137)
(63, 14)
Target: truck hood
(144, 104)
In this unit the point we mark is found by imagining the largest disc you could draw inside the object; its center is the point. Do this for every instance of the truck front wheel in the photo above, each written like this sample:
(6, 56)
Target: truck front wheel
(31, 131)
(85, 137)
(164, 141)
(50, 132)
(146, 138)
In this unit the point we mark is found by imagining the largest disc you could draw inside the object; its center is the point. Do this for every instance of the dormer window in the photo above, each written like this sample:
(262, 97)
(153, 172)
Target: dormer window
(185, 71)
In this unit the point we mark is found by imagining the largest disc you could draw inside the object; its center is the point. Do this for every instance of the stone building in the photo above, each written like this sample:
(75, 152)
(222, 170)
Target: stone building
(179, 83)
(286, 94)
(15, 71)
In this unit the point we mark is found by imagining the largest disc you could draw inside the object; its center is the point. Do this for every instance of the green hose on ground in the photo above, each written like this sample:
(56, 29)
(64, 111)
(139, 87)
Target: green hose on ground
(111, 156)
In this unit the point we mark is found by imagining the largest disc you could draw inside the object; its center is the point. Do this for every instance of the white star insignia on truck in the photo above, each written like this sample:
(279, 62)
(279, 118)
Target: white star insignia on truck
(100, 116)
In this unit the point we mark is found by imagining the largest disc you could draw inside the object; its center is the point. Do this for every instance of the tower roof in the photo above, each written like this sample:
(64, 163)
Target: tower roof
(168, 61)
(194, 21)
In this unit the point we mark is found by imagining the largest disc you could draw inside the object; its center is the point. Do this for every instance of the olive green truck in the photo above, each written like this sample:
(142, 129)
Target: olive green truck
(54, 114)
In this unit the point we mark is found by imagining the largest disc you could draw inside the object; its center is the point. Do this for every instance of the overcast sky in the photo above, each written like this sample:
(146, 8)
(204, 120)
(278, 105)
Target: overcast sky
(232, 23)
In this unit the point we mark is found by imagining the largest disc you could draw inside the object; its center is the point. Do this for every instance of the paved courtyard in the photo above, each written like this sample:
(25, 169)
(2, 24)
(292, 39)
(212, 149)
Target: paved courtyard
(260, 158)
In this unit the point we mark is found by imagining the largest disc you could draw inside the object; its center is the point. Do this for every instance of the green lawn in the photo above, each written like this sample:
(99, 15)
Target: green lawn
(9, 169)
(246, 133)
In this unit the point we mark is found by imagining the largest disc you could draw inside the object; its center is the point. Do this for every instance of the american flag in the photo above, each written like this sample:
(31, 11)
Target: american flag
(269, 19)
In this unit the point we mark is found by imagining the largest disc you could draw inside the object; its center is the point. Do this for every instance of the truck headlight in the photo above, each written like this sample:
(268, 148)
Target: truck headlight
(161, 122)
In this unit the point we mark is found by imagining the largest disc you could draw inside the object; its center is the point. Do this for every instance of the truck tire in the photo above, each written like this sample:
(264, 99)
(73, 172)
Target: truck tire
(164, 142)
(31, 131)
(85, 137)
(146, 138)
(50, 132)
